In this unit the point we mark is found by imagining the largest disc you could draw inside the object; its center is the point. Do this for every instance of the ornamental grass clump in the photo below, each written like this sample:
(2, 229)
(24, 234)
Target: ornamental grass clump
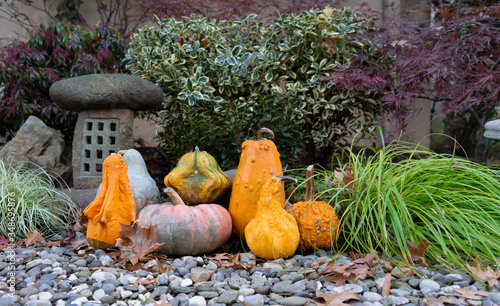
(404, 193)
(29, 200)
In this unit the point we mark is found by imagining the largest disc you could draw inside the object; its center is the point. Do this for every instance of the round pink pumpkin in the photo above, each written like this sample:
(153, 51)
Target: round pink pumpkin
(187, 230)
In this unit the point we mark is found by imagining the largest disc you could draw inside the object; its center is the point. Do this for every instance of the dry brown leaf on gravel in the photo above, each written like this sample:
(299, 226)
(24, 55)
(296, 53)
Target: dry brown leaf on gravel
(161, 267)
(54, 243)
(471, 294)
(417, 252)
(136, 242)
(334, 300)
(33, 237)
(386, 287)
(144, 281)
(81, 224)
(484, 274)
(358, 269)
(233, 260)
(443, 300)
(81, 243)
(162, 303)
(350, 273)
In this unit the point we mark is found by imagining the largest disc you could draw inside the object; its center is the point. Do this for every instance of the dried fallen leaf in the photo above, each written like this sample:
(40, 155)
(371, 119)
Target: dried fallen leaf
(366, 259)
(417, 252)
(342, 178)
(219, 257)
(292, 196)
(334, 300)
(358, 269)
(330, 44)
(233, 260)
(134, 267)
(443, 300)
(65, 240)
(484, 274)
(81, 243)
(350, 273)
(160, 266)
(471, 294)
(54, 243)
(144, 281)
(136, 242)
(162, 303)
(386, 287)
(33, 237)
(81, 224)
(142, 204)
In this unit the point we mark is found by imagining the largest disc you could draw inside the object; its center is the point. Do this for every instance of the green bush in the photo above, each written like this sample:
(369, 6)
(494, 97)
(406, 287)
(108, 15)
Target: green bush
(29, 200)
(225, 80)
(54, 52)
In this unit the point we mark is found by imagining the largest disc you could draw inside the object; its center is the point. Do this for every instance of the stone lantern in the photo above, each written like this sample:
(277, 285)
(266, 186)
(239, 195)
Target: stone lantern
(492, 129)
(105, 103)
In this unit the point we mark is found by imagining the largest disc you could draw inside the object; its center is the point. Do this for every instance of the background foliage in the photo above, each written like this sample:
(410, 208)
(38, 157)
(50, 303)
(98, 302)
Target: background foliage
(453, 64)
(53, 52)
(127, 16)
(225, 80)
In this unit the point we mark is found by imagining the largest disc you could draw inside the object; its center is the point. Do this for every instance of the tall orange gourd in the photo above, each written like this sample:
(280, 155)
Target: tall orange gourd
(113, 205)
(259, 160)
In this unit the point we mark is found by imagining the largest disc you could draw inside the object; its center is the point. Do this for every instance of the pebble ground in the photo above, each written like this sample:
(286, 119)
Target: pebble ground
(61, 276)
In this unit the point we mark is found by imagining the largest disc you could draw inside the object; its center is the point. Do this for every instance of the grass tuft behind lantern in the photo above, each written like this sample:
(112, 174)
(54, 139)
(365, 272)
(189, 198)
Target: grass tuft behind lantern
(29, 200)
(403, 192)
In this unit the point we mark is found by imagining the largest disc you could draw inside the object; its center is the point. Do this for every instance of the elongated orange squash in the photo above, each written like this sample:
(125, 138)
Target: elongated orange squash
(259, 160)
(113, 205)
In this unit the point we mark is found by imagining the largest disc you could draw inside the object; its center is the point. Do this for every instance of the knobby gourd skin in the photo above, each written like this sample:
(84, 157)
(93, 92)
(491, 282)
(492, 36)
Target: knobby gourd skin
(197, 178)
(187, 230)
(113, 205)
(317, 221)
(259, 160)
(273, 233)
(314, 220)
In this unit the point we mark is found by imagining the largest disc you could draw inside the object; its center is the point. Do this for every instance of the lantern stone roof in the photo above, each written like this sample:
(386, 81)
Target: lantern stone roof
(106, 91)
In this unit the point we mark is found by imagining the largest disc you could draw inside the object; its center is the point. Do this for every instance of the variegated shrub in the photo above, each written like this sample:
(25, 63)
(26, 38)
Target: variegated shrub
(225, 79)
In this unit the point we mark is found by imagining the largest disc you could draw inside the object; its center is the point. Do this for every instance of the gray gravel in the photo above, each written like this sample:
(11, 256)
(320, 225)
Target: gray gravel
(62, 276)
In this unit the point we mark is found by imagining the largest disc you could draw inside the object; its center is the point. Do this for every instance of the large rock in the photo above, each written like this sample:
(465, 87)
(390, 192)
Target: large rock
(492, 129)
(106, 91)
(38, 144)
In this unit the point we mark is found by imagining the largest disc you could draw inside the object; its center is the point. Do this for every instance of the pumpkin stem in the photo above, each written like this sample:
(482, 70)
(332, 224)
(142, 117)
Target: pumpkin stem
(310, 183)
(176, 199)
(258, 135)
(287, 178)
(196, 149)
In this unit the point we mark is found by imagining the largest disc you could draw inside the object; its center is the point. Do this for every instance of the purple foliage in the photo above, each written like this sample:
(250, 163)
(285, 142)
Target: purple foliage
(53, 52)
(453, 62)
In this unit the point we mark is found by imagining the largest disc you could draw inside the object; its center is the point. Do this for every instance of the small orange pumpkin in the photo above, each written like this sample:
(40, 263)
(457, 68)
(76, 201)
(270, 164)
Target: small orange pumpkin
(317, 220)
(113, 205)
(259, 160)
